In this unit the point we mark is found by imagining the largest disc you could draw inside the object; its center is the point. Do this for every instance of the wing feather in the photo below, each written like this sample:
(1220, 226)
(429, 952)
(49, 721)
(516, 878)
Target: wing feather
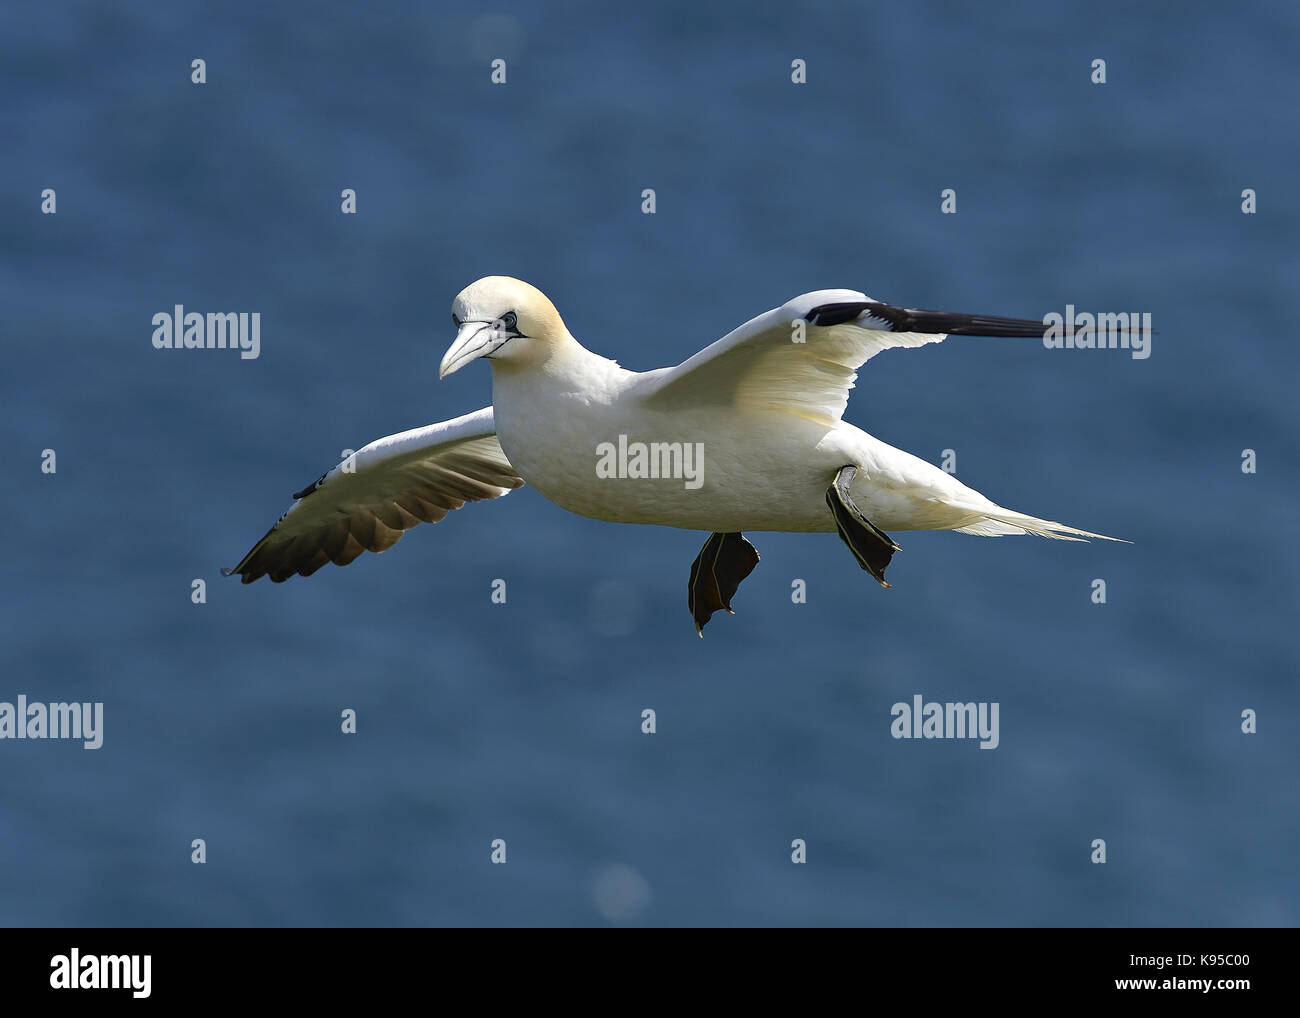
(367, 502)
(802, 358)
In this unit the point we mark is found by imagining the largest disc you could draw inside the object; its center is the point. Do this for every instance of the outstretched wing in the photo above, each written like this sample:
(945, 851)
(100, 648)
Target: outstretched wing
(393, 484)
(802, 358)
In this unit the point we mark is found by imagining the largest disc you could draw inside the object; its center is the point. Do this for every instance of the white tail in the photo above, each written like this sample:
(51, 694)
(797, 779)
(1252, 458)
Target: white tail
(999, 522)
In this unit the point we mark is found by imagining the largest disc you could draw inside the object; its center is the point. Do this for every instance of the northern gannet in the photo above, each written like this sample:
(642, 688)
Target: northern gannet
(746, 435)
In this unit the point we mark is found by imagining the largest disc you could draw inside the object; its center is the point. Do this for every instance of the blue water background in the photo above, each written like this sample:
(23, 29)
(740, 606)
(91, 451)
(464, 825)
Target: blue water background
(522, 721)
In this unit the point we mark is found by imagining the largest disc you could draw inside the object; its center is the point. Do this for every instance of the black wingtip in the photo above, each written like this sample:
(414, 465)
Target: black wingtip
(901, 319)
(835, 314)
(310, 488)
(227, 572)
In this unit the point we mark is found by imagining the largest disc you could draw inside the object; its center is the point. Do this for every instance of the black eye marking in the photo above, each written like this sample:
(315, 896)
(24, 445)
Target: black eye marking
(509, 320)
(455, 320)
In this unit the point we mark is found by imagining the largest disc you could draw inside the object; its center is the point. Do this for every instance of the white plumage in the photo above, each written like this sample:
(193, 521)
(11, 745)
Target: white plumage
(763, 405)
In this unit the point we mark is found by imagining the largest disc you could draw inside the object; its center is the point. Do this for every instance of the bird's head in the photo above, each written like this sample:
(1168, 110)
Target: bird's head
(506, 319)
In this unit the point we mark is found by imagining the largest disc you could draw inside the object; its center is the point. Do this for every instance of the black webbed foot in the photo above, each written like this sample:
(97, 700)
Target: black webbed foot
(871, 546)
(723, 562)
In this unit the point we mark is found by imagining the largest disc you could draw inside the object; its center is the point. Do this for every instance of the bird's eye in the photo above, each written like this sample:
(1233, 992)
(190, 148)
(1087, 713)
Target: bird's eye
(455, 320)
(509, 319)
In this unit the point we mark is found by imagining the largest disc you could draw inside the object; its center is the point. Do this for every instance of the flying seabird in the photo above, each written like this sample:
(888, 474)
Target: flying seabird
(746, 435)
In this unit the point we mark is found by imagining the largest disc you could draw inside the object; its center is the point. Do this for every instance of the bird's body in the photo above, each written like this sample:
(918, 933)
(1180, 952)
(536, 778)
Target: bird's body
(747, 435)
(550, 432)
(761, 470)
